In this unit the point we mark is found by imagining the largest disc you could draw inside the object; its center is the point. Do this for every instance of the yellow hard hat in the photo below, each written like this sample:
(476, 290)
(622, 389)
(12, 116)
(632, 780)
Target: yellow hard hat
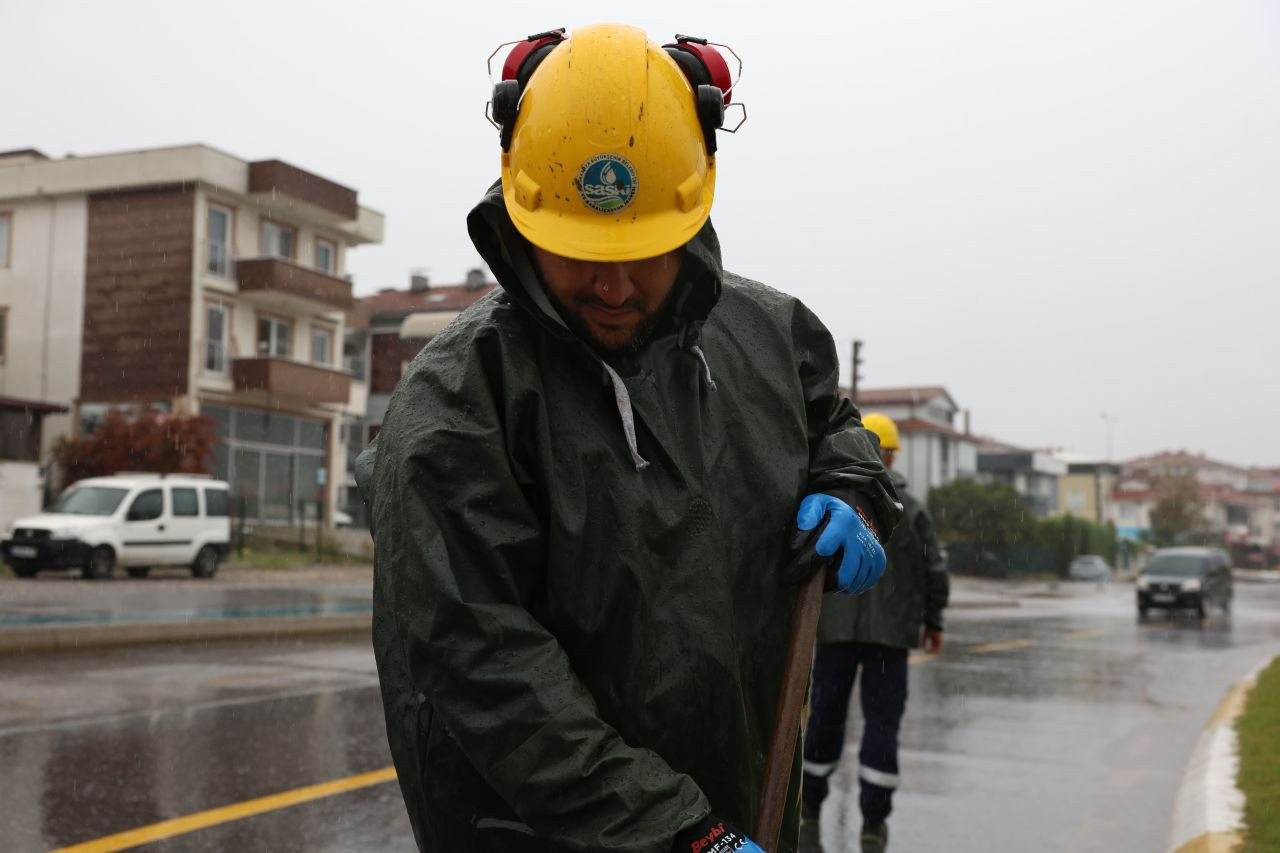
(884, 427)
(607, 159)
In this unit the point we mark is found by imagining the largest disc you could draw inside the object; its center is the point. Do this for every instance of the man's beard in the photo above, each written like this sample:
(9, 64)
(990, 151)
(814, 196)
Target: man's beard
(642, 332)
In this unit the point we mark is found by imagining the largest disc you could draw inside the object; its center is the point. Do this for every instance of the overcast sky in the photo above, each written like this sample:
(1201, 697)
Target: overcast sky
(1053, 209)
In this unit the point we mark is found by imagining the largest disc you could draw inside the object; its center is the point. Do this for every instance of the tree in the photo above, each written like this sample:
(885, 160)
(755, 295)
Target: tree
(989, 514)
(1178, 515)
(155, 441)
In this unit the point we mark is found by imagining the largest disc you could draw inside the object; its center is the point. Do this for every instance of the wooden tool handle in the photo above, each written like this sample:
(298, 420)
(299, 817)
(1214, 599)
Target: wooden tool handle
(795, 681)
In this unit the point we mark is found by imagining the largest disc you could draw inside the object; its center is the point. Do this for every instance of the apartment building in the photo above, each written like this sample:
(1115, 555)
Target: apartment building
(187, 280)
(388, 329)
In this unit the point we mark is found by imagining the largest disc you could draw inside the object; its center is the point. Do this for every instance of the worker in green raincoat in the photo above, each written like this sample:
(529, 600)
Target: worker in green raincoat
(586, 489)
(867, 639)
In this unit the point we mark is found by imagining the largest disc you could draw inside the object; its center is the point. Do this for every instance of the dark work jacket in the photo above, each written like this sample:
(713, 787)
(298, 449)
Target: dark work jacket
(579, 636)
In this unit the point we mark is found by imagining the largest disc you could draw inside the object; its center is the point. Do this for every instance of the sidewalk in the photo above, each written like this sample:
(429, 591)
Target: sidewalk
(57, 611)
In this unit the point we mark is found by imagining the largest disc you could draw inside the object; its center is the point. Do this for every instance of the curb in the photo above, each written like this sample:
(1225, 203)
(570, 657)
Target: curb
(1208, 813)
(61, 638)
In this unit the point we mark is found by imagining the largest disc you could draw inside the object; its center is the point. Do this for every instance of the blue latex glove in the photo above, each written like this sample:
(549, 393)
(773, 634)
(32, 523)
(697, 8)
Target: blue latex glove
(713, 835)
(844, 530)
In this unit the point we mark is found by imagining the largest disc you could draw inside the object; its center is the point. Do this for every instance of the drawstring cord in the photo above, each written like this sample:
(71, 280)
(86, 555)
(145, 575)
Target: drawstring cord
(697, 350)
(623, 400)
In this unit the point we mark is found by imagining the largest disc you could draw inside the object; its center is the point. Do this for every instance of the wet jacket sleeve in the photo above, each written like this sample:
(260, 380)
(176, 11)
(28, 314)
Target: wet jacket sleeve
(459, 553)
(843, 456)
(937, 584)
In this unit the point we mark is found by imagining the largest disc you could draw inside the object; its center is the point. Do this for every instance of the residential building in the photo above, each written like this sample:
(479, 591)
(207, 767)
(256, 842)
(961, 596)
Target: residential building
(390, 328)
(187, 280)
(1033, 474)
(933, 451)
(1085, 490)
(1242, 503)
(22, 476)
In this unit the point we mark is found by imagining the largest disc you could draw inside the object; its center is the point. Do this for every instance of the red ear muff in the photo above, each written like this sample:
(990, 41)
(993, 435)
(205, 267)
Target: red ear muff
(518, 67)
(715, 70)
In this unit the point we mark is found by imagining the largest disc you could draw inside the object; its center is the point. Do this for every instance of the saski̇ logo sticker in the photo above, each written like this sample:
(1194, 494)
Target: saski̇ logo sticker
(607, 183)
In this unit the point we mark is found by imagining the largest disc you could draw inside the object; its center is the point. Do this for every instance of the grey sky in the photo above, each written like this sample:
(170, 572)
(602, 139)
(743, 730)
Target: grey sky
(1052, 209)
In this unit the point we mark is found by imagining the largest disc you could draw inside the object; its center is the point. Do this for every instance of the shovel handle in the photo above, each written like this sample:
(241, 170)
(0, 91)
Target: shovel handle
(795, 683)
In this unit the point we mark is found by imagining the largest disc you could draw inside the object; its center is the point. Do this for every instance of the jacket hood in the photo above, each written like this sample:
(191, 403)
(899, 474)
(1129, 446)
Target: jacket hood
(509, 256)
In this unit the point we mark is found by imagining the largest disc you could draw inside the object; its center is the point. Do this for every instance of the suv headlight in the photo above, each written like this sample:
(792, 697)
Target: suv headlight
(8, 531)
(1143, 582)
(1192, 585)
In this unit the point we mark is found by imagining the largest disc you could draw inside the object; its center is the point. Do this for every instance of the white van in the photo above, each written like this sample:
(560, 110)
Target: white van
(132, 520)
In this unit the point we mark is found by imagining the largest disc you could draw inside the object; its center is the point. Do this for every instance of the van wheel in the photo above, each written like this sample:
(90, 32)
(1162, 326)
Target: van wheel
(101, 563)
(206, 563)
(138, 571)
(25, 571)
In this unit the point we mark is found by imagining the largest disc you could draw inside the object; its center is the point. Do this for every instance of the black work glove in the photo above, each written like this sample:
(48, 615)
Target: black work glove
(713, 835)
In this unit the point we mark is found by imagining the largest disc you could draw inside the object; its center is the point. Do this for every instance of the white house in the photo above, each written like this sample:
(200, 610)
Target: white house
(933, 452)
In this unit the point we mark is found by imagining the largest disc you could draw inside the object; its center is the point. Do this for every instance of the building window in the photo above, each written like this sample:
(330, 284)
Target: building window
(273, 337)
(277, 241)
(216, 334)
(6, 238)
(321, 345)
(218, 248)
(1076, 500)
(326, 256)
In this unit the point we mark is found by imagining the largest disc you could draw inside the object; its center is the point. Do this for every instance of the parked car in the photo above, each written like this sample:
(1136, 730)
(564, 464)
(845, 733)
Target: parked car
(1186, 578)
(136, 521)
(1089, 567)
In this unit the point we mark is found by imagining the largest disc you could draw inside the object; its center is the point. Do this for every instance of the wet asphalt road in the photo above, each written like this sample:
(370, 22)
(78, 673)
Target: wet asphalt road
(1060, 724)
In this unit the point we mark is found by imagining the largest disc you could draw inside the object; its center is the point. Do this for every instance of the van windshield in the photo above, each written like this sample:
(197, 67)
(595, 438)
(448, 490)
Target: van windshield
(89, 500)
(1176, 565)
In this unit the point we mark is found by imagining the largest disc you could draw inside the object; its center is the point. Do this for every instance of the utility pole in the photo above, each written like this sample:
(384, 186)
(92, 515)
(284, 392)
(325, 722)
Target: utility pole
(854, 373)
(1110, 421)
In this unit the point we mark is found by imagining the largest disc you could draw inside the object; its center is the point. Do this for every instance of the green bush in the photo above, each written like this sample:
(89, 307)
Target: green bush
(988, 530)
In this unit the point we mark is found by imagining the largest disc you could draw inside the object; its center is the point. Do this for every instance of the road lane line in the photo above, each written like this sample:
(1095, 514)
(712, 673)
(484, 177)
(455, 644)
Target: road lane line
(921, 657)
(236, 811)
(1085, 635)
(1007, 645)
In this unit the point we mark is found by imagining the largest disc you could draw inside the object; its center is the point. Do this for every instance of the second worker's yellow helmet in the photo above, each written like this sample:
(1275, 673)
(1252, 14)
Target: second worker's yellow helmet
(884, 427)
(606, 158)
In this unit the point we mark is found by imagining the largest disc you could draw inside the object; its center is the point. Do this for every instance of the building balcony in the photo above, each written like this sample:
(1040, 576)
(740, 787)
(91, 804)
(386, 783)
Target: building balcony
(277, 283)
(279, 377)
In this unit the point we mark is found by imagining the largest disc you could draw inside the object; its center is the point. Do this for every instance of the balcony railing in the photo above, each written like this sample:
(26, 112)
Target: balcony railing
(288, 279)
(280, 377)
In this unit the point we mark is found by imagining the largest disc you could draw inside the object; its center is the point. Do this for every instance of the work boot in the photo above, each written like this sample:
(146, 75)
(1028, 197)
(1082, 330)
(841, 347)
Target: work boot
(875, 837)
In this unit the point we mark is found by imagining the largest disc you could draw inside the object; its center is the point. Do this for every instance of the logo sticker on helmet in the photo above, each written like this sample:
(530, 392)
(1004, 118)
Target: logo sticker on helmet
(607, 183)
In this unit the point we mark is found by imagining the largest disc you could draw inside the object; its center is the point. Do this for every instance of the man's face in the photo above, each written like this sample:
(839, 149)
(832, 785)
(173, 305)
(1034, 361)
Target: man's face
(887, 457)
(613, 305)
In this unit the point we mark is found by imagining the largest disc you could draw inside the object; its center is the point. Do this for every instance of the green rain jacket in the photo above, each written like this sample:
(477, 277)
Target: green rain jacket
(912, 593)
(578, 619)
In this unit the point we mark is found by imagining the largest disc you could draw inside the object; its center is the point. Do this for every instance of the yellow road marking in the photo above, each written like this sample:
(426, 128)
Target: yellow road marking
(236, 811)
(1085, 635)
(984, 648)
(921, 657)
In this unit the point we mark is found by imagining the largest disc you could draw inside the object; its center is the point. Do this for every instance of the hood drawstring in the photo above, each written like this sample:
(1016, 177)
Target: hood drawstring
(697, 350)
(623, 400)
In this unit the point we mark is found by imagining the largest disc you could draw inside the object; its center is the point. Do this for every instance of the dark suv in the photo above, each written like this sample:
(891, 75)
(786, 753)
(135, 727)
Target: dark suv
(1188, 578)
